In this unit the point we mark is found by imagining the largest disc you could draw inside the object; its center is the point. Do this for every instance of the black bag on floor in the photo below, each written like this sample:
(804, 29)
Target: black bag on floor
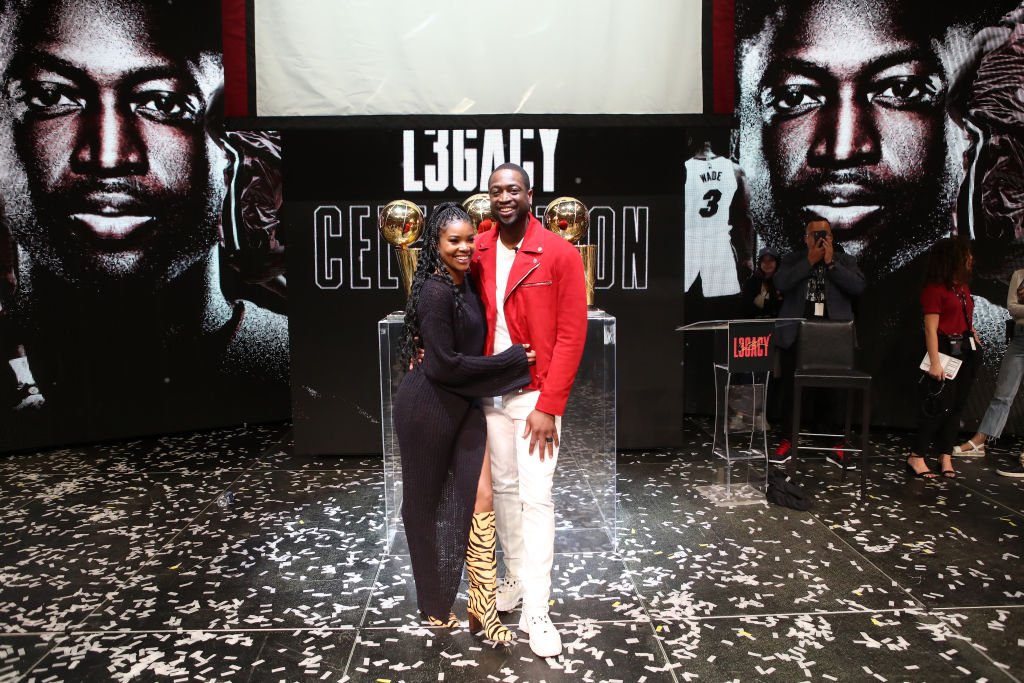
(782, 491)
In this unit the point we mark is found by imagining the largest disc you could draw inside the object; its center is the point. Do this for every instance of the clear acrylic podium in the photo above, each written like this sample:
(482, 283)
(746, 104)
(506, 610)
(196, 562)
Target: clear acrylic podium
(584, 487)
(742, 351)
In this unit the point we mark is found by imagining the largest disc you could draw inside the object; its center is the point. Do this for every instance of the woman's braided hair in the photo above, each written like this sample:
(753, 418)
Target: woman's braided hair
(428, 265)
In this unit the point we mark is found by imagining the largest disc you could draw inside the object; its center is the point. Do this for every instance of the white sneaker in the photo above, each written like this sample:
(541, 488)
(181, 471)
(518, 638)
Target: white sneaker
(545, 640)
(508, 594)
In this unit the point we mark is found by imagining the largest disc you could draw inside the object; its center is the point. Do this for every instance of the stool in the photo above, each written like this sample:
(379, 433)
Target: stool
(825, 359)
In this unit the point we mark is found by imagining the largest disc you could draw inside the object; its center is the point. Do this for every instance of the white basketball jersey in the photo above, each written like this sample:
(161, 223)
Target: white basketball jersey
(710, 188)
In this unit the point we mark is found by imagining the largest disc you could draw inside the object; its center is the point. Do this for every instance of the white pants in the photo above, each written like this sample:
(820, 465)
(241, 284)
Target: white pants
(523, 508)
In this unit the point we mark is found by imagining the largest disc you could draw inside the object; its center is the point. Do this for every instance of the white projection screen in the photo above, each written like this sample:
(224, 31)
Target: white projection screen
(366, 57)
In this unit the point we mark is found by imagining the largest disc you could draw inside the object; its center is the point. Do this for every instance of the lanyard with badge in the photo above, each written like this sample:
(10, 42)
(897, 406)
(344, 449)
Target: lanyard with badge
(816, 289)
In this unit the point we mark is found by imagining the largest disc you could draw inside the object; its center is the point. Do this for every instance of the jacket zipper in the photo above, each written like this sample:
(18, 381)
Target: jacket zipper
(508, 293)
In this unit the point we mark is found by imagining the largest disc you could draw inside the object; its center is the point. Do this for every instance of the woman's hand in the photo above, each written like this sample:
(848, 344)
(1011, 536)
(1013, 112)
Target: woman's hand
(417, 358)
(760, 298)
(531, 355)
(936, 371)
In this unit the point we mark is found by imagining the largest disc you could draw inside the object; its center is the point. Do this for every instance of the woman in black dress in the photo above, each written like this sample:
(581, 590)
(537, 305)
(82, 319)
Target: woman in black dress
(447, 504)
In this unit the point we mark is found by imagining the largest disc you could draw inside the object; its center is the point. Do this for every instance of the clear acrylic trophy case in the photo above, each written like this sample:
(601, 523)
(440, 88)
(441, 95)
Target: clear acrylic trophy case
(584, 486)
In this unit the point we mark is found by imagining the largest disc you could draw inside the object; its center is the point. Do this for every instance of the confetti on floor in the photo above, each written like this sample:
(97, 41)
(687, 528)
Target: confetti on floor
(222, 555)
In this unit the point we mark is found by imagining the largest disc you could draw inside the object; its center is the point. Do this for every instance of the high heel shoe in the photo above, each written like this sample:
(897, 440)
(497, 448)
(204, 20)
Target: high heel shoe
(947, 473)
(926, 474)
(483, 577)
(453, 621)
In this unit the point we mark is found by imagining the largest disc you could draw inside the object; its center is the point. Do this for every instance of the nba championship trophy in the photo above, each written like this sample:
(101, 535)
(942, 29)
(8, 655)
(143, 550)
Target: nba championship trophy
(568, 217)
(479, 209)
(400, 223)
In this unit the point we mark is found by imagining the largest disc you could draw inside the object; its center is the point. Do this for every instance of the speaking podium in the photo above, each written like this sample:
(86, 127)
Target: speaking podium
(742, 358)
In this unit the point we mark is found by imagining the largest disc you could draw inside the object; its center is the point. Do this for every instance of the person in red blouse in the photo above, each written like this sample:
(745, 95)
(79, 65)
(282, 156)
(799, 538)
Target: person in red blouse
(948, 329)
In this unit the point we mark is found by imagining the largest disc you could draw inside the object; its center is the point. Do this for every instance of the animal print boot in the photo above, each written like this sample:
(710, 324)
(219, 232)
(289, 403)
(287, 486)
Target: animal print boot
(483, 572)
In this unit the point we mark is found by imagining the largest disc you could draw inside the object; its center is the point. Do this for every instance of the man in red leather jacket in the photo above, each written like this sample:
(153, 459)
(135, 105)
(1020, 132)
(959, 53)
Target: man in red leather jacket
(538, 278)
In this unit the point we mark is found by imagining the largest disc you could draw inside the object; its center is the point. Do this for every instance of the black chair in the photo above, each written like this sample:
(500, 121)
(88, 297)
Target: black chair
(825, 358)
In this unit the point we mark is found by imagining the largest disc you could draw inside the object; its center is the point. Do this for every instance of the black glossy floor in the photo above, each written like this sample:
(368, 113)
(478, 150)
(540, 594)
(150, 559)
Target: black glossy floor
(221, 556)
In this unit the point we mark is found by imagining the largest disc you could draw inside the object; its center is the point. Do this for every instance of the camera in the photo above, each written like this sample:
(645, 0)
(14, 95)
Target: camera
(820, 235)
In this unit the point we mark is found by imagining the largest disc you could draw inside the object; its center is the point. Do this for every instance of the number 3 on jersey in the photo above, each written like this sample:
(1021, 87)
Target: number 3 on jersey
(712, 197)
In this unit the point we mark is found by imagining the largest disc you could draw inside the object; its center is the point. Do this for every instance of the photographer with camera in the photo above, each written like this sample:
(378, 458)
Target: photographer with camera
(820, 282)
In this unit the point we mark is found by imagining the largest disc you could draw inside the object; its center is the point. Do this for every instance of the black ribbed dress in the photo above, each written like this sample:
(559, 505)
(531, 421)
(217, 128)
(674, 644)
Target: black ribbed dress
(441, 435)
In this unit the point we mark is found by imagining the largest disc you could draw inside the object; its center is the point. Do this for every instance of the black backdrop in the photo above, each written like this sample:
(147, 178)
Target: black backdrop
(631, 178)
(161, 341)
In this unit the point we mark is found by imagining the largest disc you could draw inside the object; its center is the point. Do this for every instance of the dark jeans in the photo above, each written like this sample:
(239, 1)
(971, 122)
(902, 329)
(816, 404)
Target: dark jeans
(940, 406)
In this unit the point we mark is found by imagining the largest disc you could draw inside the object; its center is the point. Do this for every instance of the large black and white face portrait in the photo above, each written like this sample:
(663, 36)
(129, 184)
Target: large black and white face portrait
(114, 177)
(842, 108)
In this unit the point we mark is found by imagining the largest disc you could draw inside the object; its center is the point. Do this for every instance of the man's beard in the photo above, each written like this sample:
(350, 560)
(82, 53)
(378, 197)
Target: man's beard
(182, 233)
(912, 218)
(514, 220)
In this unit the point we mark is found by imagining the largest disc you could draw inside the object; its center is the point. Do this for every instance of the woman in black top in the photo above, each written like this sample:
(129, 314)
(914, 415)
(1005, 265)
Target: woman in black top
(446, 487)
(761, 299)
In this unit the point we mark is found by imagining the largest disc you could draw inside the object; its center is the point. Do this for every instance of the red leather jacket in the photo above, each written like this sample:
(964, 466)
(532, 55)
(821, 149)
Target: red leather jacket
(545, 306)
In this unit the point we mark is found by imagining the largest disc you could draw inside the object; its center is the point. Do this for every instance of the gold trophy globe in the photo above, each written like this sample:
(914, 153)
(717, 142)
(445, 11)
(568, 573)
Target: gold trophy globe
(479, 209)
(568, 217)
(400, 223)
